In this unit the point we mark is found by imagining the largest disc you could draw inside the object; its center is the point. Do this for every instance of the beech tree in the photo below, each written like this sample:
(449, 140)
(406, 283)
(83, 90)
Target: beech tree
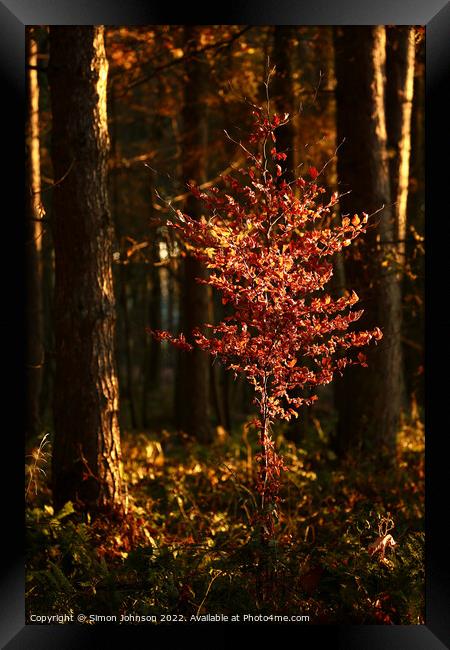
(86, 448)
(267, 252)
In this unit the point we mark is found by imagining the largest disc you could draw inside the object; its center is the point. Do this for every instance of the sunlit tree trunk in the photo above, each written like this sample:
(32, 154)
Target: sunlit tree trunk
(34, 234)
(194, 382)
(414, 312)
(400, 53)
(86, 450)
(368, 399)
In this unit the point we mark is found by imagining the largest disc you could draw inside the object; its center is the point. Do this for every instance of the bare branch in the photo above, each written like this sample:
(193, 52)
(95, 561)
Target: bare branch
(187, 57)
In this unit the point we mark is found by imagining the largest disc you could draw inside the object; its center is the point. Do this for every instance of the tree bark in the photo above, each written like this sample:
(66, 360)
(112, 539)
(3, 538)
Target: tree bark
(193, 398)
(128, 392)
(400, 56)
(34, 234)
(86, 448)
(155, 307)
(152, 348)
(282, 92)
(368, 399)
(414, 285)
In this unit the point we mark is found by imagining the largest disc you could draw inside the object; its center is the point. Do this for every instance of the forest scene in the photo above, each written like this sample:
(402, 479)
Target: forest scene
(225, 324)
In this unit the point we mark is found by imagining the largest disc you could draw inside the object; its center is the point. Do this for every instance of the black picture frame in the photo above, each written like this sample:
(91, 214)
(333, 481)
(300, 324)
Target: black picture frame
(435, 15)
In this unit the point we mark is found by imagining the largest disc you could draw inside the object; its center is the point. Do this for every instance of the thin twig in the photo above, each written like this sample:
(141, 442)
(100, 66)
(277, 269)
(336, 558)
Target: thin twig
(207, 591)
(50, 187)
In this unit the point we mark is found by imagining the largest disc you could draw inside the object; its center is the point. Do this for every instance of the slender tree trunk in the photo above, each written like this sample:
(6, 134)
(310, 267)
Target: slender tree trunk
(226, 399)
(155, 309)
(216, 396)
(193, 402)
(219, 312)
(171, 300)
(400, 55)
(215, 371)
(368, 399)
(86, 449)
(128, 392)
(34, 234)
(152, 349)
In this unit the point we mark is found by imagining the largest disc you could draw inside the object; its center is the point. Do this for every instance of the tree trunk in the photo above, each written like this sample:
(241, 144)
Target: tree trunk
(368, 399)
(128, 391)
(400, 55)
(86, 449)
(34, 234)
(193, 398)
(413, 314)
(281, 91)
(155, 307)
(152, 348)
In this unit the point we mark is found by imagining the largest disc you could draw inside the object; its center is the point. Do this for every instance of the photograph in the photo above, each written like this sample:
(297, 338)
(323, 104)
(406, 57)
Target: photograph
(225, 274)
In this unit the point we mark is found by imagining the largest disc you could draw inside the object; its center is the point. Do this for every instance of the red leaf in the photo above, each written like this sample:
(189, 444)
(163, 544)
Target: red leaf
(362, 359)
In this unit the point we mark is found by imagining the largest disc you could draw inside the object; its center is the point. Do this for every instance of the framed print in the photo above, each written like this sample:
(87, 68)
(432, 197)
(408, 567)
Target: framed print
(230, 324)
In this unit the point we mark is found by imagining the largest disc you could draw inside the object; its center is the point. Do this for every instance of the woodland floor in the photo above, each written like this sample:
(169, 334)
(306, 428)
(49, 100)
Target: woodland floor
(187, 545)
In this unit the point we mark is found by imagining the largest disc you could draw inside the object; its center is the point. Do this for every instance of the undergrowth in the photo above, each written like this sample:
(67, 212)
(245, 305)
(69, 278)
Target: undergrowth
(187, 544)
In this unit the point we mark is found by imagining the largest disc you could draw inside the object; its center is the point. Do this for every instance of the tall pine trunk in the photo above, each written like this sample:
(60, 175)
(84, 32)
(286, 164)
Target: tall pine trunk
(34, 234)
(281, 90)
(413, 315)
(86, 450)
(368, 399)
(192, 398)
(400, 53)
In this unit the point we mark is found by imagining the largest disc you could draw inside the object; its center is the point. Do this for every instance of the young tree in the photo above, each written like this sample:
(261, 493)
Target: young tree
(267, 251)
(368, 404)
(86, 448)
